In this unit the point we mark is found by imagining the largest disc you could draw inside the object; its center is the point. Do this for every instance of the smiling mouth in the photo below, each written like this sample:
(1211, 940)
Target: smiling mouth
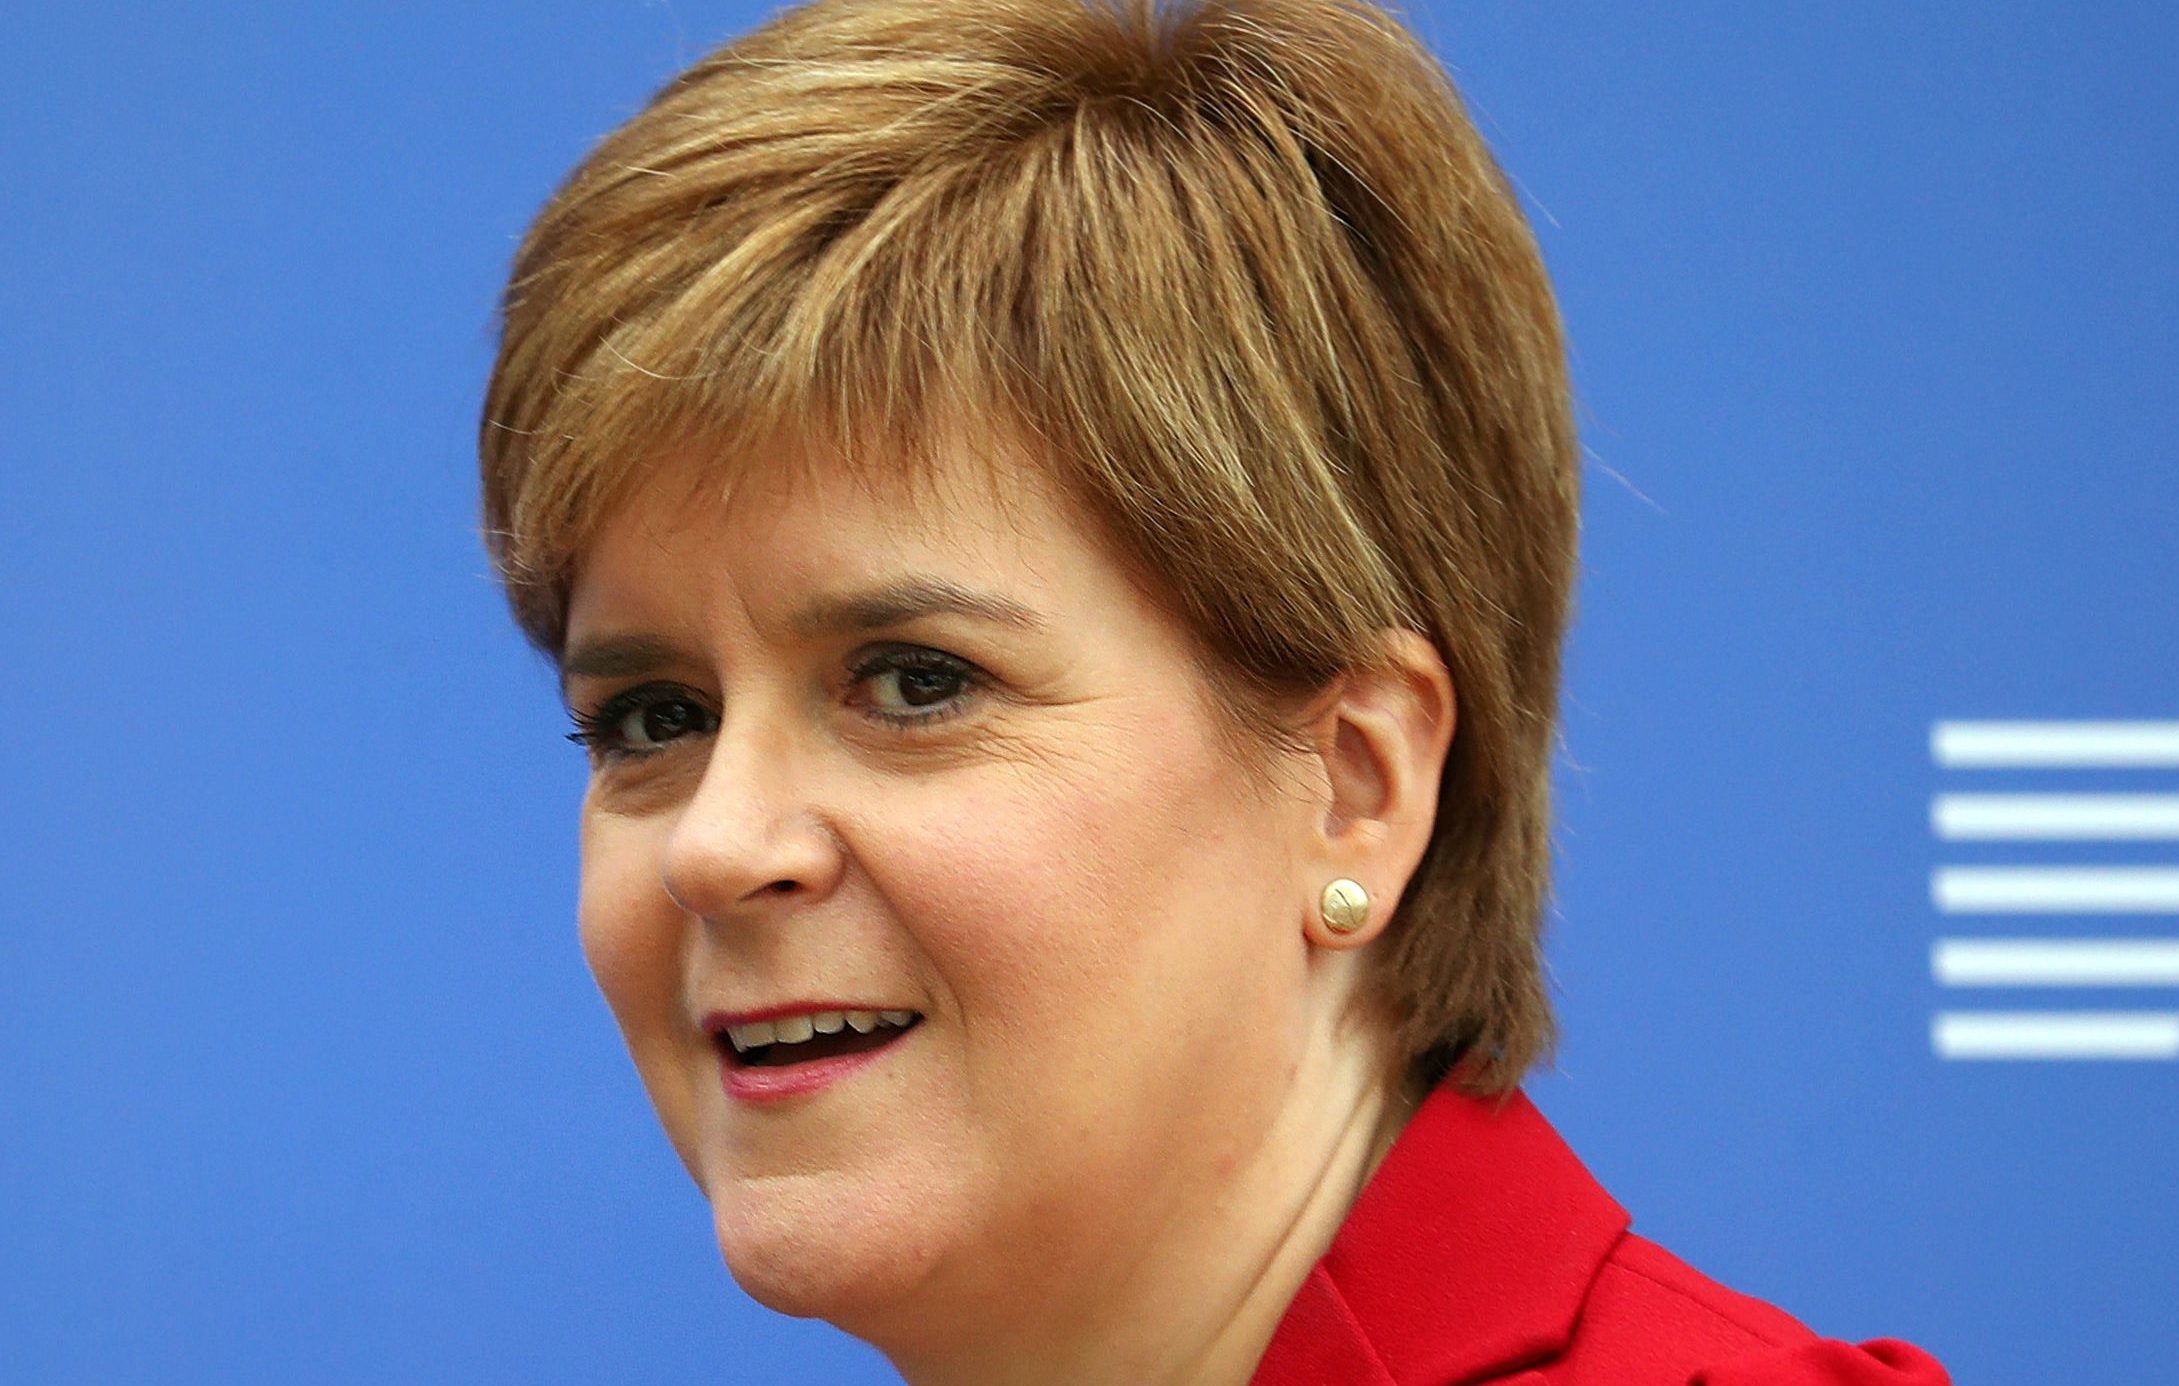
(805, 1038)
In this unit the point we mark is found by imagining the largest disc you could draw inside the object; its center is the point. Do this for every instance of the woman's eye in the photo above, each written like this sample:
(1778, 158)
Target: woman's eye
(910, 689)
(641, 722)
(654, 724)
(915, 685)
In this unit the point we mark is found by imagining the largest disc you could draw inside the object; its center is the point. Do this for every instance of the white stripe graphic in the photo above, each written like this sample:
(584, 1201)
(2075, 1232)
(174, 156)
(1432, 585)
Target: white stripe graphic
(2055, 889)
(2055, 817)
(2045, 745)
(2055, 962)
(2055, 1035)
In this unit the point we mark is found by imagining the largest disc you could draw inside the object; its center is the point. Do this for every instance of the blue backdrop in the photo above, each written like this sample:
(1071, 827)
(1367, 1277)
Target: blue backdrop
(1873, 305)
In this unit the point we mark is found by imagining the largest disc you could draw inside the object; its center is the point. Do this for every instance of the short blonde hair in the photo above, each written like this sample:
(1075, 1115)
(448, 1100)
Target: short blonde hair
(1242, 271)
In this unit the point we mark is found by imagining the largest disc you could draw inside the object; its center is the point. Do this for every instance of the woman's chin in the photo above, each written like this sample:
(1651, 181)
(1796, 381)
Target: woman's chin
(799, 1251)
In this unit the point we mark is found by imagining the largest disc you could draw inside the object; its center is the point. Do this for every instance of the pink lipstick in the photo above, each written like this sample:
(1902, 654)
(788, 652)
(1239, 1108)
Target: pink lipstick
(785, 1051)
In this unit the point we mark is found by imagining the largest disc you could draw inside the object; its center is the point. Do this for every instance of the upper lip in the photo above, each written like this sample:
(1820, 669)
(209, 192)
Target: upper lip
(716, 1022)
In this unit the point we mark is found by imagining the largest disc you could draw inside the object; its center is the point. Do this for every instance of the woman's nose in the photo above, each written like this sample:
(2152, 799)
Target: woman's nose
(751, 838)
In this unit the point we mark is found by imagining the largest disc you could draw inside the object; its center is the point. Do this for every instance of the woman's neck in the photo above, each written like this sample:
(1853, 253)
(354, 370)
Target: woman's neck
(1198, 1303)
(1363, 1141)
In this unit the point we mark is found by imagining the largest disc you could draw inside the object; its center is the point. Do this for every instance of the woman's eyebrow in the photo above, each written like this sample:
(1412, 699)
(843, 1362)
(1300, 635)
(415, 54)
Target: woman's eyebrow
(898, 602)
(631, 655)
(617, 657)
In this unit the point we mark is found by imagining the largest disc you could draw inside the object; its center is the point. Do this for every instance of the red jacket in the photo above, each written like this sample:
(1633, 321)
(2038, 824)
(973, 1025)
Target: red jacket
(1482, 1251)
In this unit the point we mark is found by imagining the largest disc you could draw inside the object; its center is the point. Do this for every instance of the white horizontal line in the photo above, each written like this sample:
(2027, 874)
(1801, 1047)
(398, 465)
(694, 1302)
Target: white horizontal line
(2055, 1035)
(1991, 745)
(2055, 962)
(2054, 817)
(2055, 889)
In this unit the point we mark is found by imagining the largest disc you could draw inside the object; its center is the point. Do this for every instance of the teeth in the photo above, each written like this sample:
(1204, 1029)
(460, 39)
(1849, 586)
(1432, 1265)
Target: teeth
(753, 1035)
(795, 1029)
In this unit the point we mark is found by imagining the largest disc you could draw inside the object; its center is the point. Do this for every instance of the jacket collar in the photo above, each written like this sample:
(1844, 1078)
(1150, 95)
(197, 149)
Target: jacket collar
(1469, 1253)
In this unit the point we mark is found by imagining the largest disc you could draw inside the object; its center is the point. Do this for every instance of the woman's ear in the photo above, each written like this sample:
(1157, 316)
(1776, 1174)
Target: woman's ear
(1382, 736)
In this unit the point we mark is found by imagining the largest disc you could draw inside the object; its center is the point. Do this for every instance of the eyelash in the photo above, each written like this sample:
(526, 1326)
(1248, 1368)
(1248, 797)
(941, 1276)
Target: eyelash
(919, 659)
(599, 731)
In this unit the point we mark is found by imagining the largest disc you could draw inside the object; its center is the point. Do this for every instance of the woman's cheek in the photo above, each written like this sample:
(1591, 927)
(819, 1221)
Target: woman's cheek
(632, 942)
(1038, 887)
(629, 928)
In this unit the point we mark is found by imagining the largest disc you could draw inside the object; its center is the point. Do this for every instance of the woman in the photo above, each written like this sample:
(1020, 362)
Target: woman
(1054, 521)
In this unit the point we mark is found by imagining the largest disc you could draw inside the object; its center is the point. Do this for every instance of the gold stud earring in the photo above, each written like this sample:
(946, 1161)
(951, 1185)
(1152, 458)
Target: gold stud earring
(1345, 905)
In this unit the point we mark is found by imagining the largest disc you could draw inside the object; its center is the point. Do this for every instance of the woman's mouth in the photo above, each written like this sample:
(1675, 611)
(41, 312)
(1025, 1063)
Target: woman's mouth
(788, 1054)
(817, 1035)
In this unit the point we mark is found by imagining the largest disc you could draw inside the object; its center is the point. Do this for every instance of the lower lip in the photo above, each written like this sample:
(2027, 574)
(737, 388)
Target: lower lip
(747, 1083)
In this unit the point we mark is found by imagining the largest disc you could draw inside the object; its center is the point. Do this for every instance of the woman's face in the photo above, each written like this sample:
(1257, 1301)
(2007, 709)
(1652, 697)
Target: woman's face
(854, 756)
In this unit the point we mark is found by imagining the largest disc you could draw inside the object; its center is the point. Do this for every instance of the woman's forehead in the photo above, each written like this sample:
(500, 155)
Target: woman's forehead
(949, 475)
(808, 534)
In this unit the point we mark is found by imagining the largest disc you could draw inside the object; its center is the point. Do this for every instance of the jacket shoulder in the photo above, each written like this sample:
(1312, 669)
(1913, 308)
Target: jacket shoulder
(1653, 1320)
